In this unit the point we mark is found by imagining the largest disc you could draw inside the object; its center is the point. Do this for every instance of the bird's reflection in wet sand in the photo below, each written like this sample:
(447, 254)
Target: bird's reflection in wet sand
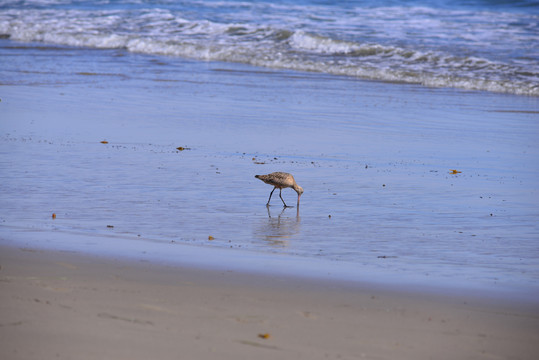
(279, 227)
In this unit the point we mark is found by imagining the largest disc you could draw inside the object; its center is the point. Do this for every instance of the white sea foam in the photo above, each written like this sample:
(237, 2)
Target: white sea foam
(304, 41)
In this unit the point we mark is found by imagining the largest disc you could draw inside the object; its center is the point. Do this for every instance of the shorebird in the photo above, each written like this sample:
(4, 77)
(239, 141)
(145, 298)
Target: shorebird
(280, 180)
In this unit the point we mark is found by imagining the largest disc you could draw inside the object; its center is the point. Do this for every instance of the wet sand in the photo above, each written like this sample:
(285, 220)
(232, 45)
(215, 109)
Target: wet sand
(65, 305)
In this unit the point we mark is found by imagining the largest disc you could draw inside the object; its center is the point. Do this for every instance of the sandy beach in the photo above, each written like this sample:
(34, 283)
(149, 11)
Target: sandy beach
(67, 306)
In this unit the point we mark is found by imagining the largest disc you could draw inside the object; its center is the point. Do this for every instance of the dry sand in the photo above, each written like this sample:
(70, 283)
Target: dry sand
(68, 306)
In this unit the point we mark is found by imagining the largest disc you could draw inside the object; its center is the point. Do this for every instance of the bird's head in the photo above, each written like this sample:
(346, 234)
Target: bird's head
(299, 190)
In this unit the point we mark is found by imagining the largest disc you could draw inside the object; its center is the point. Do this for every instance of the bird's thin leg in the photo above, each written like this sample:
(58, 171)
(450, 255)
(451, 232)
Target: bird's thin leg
(282, 198)
(271, 193)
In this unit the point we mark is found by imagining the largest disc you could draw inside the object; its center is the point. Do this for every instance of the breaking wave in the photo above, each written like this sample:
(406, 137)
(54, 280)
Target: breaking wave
(275, 45)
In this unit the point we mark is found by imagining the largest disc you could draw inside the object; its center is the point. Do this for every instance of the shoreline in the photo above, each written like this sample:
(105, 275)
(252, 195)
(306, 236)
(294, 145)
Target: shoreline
(133, 249)
(65, 305)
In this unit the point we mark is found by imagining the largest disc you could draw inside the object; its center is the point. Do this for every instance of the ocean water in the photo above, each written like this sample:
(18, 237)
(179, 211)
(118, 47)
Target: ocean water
(374, 154)
(478, 44)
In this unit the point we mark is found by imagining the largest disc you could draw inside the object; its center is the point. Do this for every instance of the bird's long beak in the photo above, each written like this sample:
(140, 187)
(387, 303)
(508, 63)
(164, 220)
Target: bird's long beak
(298, 199)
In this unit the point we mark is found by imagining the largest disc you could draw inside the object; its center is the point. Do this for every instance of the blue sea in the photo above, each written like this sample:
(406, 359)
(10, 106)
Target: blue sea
(413, 127)
(467, 44)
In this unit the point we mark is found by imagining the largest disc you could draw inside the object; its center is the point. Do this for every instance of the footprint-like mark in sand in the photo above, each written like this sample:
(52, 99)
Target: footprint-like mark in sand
(309, 315)
(116, 317)
(255, 344)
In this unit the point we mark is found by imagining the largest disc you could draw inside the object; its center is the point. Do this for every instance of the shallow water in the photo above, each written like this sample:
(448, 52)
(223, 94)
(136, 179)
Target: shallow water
(374, 160)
